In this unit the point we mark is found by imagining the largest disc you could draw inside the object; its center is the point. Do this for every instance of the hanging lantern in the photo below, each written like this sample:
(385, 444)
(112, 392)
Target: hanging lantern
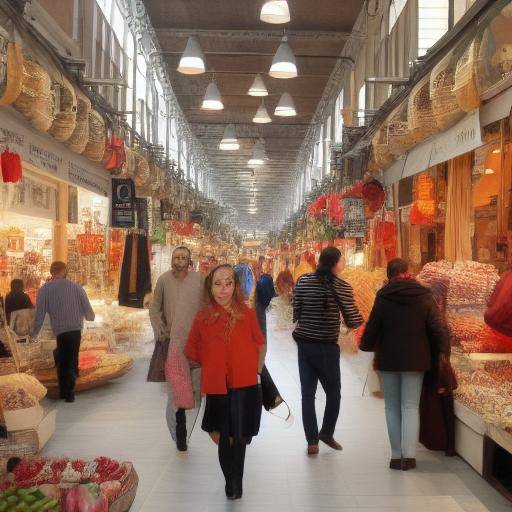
(283, 63)
(192, 60)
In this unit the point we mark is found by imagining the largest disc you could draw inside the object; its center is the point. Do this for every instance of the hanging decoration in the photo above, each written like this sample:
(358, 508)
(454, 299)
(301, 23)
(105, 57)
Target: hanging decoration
(115, 155)
(11, 167)
(424, 207)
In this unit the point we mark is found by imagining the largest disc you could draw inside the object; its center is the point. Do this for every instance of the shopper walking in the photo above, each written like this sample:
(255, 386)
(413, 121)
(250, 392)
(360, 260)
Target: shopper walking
(67, 305)
(406, 332)
(16, 299)
(265, 292)
(176, 300)
(319, 298)
(228, 344)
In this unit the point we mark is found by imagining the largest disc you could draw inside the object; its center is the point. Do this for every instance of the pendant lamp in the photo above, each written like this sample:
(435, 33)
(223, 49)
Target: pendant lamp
(258, 155)
(283, 63)
(275, 11)
(192, 60)
(286, 106)
(212, 99)
(229, 141)
(261, 116)
(258, 87)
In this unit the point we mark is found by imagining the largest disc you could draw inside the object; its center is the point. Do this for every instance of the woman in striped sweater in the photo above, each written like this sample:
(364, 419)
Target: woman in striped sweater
(318, 300)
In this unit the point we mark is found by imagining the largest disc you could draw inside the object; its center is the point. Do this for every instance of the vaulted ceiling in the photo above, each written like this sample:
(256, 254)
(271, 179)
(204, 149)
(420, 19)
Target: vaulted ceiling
(237, 46)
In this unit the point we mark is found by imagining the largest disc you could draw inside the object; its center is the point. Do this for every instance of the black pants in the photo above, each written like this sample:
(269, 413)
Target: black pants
(319, 362)
(66, 360)
(232, 459)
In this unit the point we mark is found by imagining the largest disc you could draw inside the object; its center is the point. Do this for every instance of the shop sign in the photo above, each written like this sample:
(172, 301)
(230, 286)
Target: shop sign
(123, 203)
(354, 220)
(50, 156)
(465, 136)
(417, 160)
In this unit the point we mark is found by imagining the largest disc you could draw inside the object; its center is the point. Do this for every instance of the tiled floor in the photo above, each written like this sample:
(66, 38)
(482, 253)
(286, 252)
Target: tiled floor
(125, 420)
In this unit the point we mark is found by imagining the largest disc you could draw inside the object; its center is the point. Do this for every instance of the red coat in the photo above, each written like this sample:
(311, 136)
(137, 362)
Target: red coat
(498, 314)
(226, 361)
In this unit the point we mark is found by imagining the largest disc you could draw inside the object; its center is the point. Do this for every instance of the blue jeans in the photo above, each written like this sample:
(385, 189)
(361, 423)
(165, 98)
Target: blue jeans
(319, 362)
(402, 392)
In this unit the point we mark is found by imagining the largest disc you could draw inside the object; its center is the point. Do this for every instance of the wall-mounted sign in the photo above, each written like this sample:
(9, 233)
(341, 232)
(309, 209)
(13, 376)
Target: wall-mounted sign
(123, 203)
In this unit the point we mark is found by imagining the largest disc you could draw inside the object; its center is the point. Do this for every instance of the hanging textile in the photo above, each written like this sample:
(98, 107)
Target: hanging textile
(11, 167)
(246, 277)
(135, 281)
(457, 240)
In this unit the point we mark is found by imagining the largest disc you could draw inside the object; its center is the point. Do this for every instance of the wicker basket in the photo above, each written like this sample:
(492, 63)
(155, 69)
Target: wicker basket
(501, 34)
(142, 172)
(36, 100)
(466, 78)
(444, 102)
(422, 123)
(381, 154)
(129, 165)
(95, 147)
(14, 80)
(400, 139)
(65, 120)
(80, 135)
(7, 365)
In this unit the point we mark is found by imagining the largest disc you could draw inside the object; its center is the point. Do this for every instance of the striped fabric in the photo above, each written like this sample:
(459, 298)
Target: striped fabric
(317, 312)
(67, 305)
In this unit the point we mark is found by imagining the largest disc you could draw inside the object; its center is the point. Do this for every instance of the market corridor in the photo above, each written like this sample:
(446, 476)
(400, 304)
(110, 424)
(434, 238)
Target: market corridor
(126, 420)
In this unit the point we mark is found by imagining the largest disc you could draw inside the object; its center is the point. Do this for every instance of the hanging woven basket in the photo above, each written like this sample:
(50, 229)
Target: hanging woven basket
(501, 31)
(65, 120)
(78, 139)
(129, 164)
(466, 78)
(422, 123)
(95, 147)
(36, 100)
(445, 108)
(381, 154)
(14, 76)
(400, 139)
(142, 171)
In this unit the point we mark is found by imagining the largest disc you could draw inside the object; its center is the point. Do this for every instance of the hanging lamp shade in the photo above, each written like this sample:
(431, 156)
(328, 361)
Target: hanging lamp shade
(192, 60)
(283, 63)
(275, 11)
(212, 98)
(286, 106)
(258, 155)
(261, 116)
(229, 141)
(258, 87)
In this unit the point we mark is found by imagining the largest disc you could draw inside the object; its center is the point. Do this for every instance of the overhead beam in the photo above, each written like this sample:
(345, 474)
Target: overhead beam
(269, 35)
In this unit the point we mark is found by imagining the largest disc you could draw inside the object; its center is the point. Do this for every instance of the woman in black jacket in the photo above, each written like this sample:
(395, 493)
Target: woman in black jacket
(407, 333)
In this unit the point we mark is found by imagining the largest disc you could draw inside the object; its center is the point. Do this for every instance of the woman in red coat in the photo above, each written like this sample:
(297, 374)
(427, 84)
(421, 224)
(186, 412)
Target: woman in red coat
(227, 342)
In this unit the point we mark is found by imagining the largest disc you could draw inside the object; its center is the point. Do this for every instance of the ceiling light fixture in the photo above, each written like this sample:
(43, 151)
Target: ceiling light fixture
(192, 60)
(229, 141)
(286, 106)
(283, 63)
(261, 116)
(212, 98)
(258, 87)
(258, 155)
(275, 12)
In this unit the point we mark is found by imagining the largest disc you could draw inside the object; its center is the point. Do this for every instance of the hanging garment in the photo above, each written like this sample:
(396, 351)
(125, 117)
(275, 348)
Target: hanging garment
(135, 280)
(11, 167)
(498, 314)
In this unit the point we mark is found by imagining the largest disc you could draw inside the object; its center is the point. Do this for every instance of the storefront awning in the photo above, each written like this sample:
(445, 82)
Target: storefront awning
(394, 173)
(418, 159)
(497, 108)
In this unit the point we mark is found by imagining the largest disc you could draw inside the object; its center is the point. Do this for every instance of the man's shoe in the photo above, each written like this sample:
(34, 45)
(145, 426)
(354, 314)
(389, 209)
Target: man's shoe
(408, 464)
(395, 464)
(330, 441)
(313, 449)
(70, 398)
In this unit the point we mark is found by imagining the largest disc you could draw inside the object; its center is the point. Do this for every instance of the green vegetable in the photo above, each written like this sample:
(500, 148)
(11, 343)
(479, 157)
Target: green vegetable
(51, 504)
(12, 499)
(28, 499)
(3, 505)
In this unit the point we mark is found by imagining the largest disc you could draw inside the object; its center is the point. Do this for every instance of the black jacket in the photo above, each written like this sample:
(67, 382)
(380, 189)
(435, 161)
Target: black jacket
(405, 328)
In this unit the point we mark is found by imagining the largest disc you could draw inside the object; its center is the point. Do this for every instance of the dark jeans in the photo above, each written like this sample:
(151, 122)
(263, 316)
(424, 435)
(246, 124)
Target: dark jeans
(66, 360)
(319, 362)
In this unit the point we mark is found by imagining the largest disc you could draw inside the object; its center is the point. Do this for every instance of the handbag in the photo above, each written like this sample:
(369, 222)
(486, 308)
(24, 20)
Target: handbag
(271, 397)
(156, 371)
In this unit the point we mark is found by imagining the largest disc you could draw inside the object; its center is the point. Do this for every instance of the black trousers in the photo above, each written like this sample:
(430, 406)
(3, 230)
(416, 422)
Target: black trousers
(319, 362)
(232, 459)
(66, 360)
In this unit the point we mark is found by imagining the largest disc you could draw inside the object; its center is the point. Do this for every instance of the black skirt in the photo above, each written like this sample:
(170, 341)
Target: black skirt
(237, 414)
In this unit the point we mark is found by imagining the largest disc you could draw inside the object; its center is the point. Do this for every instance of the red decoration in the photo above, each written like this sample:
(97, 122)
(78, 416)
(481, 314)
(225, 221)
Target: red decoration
(183, 228)
(88, 244)
(373, 195)
(424, 207)
(114, 150)
(11, 167)
(385, 237)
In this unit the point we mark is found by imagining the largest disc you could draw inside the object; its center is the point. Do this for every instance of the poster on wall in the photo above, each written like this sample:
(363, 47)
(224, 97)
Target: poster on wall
(354, 221)
(123, 203)
(141, 204)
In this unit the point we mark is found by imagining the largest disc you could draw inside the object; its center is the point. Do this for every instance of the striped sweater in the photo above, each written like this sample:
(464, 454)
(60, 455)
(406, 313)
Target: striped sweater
(66, 304)
(317, 312)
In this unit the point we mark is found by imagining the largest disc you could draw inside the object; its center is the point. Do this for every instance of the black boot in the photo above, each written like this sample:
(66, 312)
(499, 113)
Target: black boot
(181, 430)
(225, 456)
(237, 469)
